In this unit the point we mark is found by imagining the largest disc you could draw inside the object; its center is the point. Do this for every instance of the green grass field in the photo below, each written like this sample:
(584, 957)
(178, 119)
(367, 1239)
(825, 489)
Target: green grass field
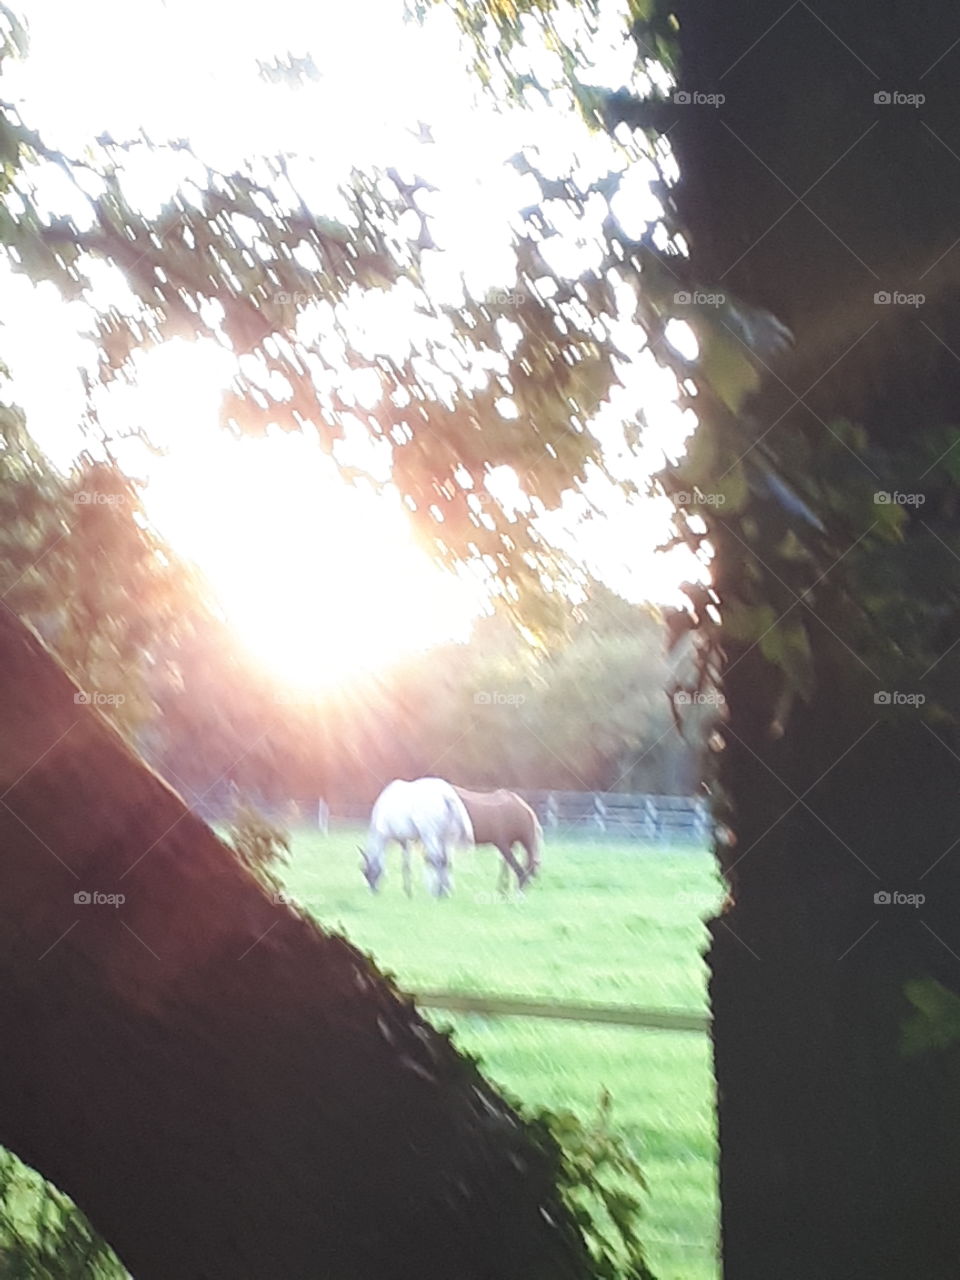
(607, 922)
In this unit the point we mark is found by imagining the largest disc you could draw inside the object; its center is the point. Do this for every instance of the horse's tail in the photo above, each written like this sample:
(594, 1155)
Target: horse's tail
(536, 844)
(458, 811)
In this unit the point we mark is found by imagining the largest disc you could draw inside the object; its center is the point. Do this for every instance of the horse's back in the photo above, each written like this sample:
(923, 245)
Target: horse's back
(426, 807)
(391, 812)
(486, 797)
(499, 817)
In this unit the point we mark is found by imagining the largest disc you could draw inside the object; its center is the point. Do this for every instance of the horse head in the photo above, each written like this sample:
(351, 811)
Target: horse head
(372, 870)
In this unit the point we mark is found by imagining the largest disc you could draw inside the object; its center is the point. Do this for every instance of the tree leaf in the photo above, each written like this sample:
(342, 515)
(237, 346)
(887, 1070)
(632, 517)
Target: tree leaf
(787, 646)
(700, 463)
(747, 622)
(728, 368)
(936, 1023)
(733, 490)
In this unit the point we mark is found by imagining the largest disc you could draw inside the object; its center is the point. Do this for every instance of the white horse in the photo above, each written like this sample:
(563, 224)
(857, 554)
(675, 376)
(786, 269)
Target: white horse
(428, 810)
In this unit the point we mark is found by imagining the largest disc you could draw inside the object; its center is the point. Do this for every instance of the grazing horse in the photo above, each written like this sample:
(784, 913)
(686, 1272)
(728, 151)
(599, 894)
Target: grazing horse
(428, 810)
(501, 818)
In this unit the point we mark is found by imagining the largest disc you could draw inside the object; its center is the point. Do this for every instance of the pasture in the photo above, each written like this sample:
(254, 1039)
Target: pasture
(606, 922)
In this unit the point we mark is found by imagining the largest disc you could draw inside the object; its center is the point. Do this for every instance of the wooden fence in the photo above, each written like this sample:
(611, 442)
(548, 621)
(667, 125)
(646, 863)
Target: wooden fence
(586, 814)
(528, 1007)
(591, 813)
(635, 816)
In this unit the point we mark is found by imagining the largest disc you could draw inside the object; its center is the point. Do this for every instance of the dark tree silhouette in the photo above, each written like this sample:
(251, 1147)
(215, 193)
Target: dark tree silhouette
(811, 194)
(225, 1090)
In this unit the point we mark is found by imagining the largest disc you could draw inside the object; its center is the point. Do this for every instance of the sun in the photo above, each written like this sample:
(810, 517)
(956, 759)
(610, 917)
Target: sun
(323, 583)
(321, 580)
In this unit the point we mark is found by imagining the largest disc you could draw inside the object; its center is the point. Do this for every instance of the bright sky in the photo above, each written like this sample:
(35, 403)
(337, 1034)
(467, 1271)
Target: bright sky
(284, 543)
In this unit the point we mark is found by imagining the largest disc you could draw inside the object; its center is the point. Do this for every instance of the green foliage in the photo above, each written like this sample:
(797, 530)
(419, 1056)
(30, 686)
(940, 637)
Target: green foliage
(787, 646)
(792, 514)
(190, 272)
(935, 1023)
(749, 623)
(43, 1235)
(727, 366)
(13, 35)
(79, 562)
(602, 1184)
(827, 546)
(261, 846)
(588, 713)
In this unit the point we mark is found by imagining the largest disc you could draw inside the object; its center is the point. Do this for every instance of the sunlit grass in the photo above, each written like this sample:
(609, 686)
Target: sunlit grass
(607, 922)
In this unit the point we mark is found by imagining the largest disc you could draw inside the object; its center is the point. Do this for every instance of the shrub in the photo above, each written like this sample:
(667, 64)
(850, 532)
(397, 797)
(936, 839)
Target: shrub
(43, 1235)
(601, 1182)
(261, 846)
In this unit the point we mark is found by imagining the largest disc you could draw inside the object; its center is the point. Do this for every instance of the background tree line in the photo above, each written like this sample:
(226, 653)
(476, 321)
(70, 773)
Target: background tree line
(588, 714)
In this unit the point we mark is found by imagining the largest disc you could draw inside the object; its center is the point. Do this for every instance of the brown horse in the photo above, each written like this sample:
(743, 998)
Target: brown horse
(502, 819)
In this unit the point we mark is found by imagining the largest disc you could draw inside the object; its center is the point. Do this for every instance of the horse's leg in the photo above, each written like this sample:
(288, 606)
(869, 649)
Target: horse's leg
(510, 861)
(530, 870)
(503, 879)
(533, 847)
(438, 859)
(405, 853)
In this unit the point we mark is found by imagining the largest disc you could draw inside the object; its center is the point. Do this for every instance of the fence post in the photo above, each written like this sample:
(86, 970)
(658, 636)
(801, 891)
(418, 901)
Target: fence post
(552, 813)
(323, 816)
(599, 812)
(703, 818)
(650, 819)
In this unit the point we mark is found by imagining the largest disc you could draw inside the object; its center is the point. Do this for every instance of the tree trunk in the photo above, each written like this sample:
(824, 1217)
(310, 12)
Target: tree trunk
(840, 1157)
(801, 194)
(222, 1088)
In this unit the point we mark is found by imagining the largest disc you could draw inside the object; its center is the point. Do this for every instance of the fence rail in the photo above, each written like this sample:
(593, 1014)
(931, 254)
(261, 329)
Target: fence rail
(598, 813)
(526, 1007)
(640, 816)
(655, 818)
